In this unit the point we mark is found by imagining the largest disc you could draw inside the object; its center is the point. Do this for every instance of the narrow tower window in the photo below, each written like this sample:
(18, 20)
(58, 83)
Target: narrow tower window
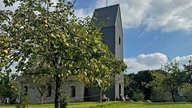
(119, 41)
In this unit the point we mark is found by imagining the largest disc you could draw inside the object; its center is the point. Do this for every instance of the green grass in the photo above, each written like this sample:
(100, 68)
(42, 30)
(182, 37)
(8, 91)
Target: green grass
(112, 105)
(149, 105)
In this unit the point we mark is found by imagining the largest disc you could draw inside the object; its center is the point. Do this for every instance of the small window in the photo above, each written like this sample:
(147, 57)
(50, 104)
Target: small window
(73, 91)
(119, 41)
(49, 88)
(25, 90)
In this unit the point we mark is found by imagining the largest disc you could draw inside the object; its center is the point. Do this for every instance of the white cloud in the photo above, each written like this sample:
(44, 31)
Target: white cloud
(12, 8)
(81, 13)
(145, 62)
(151, 61)
(167, 15)
(133, 12)
(182, 60)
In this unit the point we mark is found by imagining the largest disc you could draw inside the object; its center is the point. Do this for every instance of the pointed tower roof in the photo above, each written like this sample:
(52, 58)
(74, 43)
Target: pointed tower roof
(106, 16)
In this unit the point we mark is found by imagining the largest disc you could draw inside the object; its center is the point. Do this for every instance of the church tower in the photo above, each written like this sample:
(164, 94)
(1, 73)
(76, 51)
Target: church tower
(109, 18)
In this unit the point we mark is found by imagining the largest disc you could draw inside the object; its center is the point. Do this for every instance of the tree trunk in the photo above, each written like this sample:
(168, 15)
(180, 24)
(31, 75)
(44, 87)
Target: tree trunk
(173, 97)
(42, 98)
(100, 95)
(42, 92)
(57, 91)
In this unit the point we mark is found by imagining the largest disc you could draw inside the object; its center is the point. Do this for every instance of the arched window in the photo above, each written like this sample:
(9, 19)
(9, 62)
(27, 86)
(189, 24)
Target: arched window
(120, 90)
(73, 91)
(49, 90)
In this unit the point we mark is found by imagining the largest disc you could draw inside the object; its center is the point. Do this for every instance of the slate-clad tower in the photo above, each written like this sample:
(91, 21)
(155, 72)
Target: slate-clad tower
(109, 18)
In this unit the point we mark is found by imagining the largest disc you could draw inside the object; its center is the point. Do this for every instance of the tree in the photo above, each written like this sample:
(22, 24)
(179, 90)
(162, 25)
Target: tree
(4, 44)
(144, 77)
(170, 79)
(188, 71)
(188, 79)
(137, 84)
(133, 87)
(159, 92)
(174, 79)
(50, 36)
(8, 86)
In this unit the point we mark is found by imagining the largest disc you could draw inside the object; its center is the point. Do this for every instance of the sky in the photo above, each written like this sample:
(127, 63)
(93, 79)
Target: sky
(155, 31)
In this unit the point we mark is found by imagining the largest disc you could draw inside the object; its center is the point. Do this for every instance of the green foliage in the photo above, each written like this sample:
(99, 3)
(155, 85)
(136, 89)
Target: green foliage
(187, 72)
(64, 100)
(130, 85)
(187, 92)
(24, 102)
(59, 42)
(138, 83)
(171, 79)
(160, 95)
(138, 96)
(187, 87)
(46, 38)
(174, 79)
(8, 86)
(164, 84)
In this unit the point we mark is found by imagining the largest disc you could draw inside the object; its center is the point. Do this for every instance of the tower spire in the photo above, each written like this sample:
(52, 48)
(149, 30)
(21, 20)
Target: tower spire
(106, 3)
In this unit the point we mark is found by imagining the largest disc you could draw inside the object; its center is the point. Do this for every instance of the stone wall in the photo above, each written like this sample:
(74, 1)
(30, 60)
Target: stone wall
(34, 95)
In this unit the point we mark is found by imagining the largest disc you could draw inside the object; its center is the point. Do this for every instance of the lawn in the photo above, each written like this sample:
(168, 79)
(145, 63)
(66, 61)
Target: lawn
(112, 105)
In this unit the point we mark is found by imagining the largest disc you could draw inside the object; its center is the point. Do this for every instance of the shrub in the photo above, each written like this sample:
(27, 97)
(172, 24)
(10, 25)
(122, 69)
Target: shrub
(138, 96)
(160, 95)
(187, 93)
(64, 100)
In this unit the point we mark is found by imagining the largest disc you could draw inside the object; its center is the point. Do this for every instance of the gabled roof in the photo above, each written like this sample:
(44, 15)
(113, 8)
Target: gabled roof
(106, 16)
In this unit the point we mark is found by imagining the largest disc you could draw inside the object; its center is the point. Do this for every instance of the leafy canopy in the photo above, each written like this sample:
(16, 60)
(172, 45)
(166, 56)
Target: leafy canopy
(46, 38)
